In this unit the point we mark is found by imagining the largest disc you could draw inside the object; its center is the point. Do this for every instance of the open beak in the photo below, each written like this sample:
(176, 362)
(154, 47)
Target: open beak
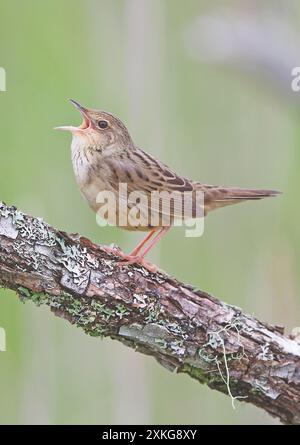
(86, 123)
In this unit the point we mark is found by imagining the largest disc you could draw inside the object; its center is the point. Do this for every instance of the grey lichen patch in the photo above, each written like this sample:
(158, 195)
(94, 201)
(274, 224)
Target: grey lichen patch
(85, 315)
(43, 250)
(177, 333)
(131, 332)
(160, 278)
(216, 340)
(161, 342)
(151, 334)
(37, 231)
(140, 301)
(75, 259)
(289, 372)
(153, 330)
(7, 229)
(78, 264)
(154, 335)
(31, 258)
(175, 328)
(147, 305)
(262, 385)
(76, 284)
(265, 353)
(295, 334)
(28, 233)
(153, 312)
(214, 351)
(4, 210)
(97, 277)
(109, 266)
(177, 346)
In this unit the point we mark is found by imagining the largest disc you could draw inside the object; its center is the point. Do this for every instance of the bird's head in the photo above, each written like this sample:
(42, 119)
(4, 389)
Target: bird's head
(98, 130)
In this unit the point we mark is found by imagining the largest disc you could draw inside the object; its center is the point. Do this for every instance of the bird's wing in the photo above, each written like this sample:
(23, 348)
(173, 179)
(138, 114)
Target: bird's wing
(213, 196)
(143, 173)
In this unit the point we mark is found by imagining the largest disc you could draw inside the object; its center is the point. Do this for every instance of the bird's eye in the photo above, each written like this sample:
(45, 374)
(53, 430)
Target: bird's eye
(102, 124)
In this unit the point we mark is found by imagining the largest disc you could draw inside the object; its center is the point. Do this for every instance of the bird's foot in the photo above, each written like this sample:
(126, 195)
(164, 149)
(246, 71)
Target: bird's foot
(139, 260)
(129, 259)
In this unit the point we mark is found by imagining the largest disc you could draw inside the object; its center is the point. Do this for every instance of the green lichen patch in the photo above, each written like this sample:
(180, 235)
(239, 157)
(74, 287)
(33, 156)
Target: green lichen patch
(95, 330)
(89, 314)
(40, 298)
(24, 293)
(197, 373)
(121, 311)
(118, 311)
(37, 298)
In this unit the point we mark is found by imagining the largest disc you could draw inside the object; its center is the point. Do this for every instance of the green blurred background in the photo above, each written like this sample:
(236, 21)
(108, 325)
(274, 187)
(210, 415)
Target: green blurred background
(210, 121)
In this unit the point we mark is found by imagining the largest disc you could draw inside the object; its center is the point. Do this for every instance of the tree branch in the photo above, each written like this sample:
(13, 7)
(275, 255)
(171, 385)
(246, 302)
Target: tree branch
(184, 329)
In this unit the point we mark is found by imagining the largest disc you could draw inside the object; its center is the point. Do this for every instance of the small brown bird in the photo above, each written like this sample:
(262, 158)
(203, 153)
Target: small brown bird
(104, 156)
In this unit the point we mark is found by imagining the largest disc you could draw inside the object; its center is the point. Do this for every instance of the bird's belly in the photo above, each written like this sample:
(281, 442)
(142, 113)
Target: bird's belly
(92, 191)
(108, 207)
(107, 203)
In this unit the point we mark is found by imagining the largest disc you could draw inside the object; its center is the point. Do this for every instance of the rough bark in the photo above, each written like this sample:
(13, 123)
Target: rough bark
(184, 329)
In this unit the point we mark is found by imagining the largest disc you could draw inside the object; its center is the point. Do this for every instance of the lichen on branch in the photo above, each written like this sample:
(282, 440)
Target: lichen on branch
(184, 329)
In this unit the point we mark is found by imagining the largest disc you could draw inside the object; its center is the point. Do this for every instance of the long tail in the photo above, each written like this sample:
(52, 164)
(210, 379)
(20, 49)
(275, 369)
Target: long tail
(216, 197)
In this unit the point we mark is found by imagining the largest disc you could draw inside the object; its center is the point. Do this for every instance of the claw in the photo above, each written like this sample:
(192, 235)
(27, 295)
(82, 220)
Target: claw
(130, 259)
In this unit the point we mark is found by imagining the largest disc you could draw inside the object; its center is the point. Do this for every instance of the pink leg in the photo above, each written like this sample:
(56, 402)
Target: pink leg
(160, 234)
(139, 259)
(142, 243)
(118, 252)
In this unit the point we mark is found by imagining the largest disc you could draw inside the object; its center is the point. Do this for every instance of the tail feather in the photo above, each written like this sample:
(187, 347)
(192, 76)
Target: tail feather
(232, 193)
(216, 197)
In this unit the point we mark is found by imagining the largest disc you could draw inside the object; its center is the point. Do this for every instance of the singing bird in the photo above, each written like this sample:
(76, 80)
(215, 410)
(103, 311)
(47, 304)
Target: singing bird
(104, 156)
